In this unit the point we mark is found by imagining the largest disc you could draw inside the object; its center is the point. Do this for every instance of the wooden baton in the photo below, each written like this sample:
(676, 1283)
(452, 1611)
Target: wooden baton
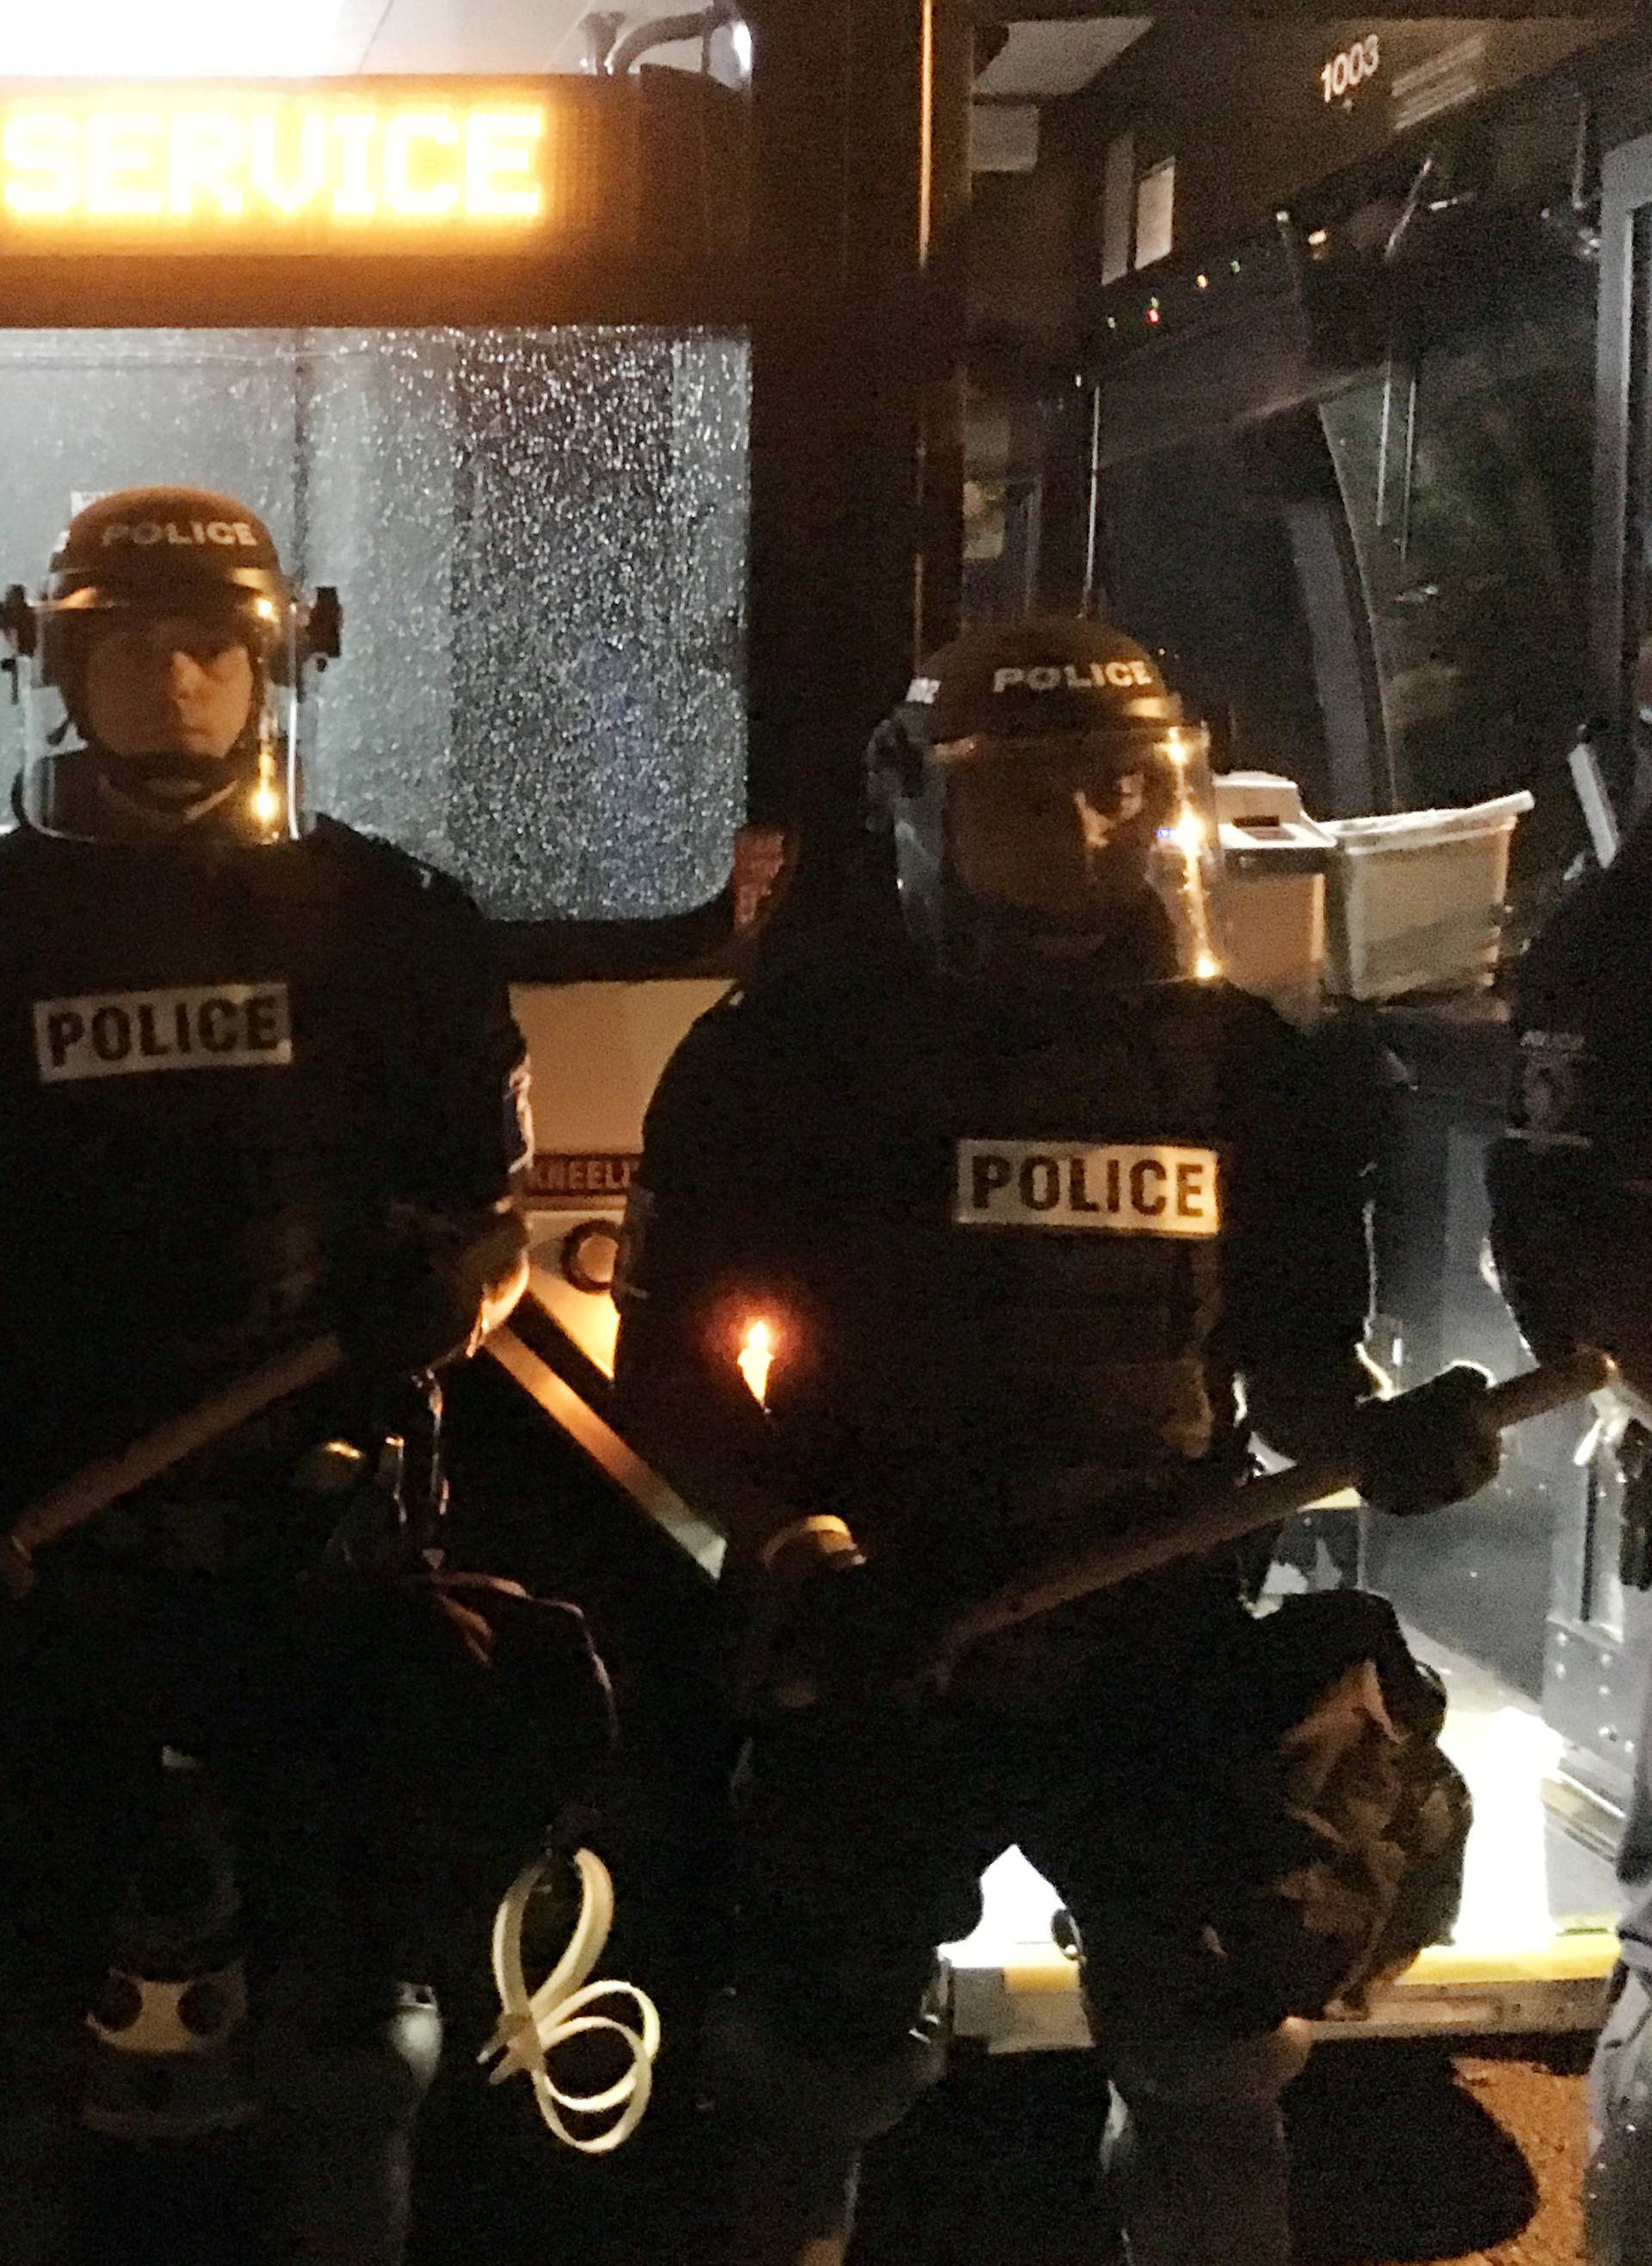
(1088, 1566)
(93, 1488)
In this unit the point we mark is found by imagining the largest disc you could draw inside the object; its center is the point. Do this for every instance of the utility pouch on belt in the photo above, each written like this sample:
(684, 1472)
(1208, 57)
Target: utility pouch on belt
(1367, 1820)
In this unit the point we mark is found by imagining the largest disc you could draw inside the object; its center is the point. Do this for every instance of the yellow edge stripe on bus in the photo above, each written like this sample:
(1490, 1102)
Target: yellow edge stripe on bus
(1578, 1957)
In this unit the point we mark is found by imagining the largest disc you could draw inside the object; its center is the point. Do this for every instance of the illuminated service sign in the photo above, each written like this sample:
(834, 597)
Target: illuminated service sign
(363, 164)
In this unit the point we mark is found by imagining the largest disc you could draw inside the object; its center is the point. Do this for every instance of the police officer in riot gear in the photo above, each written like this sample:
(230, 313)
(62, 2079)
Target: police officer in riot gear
(165, 660)
(261, 1082)
(977, 1209)
(1571, 1191)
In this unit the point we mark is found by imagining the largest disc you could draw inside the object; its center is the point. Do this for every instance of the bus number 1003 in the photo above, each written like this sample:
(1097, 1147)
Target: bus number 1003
(1352, 69)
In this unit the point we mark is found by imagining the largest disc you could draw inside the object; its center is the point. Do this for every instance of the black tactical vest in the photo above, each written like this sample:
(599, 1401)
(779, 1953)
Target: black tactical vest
(193, 1126)
(991, 1247)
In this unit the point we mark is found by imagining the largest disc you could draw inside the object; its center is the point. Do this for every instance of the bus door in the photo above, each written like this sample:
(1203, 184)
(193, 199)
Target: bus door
(1599, 1634)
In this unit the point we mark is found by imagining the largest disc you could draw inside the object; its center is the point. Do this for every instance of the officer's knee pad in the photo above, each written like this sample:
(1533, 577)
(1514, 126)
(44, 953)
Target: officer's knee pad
(1209, 2073)
(762, 2075)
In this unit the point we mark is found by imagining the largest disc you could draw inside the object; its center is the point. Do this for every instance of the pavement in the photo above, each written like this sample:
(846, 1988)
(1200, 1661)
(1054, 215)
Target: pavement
(1403, 2152)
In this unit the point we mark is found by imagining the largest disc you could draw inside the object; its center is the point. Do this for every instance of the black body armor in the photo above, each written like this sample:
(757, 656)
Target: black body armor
(219, 1068)
(995, 1240)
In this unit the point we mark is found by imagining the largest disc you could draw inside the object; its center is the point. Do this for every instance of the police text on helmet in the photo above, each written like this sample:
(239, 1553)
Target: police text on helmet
(228, 534)
(1076, 677)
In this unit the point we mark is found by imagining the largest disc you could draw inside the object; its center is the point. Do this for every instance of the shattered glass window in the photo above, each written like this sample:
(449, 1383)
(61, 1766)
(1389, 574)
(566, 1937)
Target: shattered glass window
(539, 537)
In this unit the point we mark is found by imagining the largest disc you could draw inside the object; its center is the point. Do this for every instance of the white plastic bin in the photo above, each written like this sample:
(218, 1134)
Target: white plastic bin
(1273, 864)
(1417, 899)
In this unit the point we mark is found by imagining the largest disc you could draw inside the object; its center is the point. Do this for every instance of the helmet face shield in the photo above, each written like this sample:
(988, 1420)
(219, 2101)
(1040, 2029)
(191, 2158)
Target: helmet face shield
(162, 673)
(161, 711)
(1098, 847)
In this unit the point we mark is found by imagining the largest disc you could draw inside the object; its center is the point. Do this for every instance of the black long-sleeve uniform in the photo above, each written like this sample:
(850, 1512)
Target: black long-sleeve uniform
(221, 1068)
(997, 1243)
(230, 1078)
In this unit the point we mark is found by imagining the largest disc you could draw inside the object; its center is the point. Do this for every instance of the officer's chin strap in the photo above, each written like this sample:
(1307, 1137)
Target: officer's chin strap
(531, 2026)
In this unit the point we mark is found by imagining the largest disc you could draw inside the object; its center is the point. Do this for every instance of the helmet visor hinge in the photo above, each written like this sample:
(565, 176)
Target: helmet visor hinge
(17, 621)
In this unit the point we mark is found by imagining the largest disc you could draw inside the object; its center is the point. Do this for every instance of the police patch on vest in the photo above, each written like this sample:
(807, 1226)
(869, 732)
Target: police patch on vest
(519, 1118)
(1116, 1189)
(116, 1034)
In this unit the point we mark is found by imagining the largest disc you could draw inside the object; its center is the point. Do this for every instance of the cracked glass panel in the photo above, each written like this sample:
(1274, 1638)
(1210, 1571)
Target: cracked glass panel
(539, 537)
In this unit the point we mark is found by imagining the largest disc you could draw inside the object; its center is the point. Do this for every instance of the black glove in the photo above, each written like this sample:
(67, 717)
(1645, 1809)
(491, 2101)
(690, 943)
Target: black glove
(1430, 1447)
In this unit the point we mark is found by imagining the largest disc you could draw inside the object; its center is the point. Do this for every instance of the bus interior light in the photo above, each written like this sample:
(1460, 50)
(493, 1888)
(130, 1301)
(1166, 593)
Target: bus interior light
(164, 39)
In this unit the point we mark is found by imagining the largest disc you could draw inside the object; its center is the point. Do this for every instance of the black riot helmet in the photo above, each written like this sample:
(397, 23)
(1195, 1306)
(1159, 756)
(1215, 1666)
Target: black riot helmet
(163, 664)
(1050, 808)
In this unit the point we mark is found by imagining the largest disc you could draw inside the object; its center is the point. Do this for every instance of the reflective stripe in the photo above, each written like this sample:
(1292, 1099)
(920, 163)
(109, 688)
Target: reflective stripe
(1115, 1187)
(122, 1034)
